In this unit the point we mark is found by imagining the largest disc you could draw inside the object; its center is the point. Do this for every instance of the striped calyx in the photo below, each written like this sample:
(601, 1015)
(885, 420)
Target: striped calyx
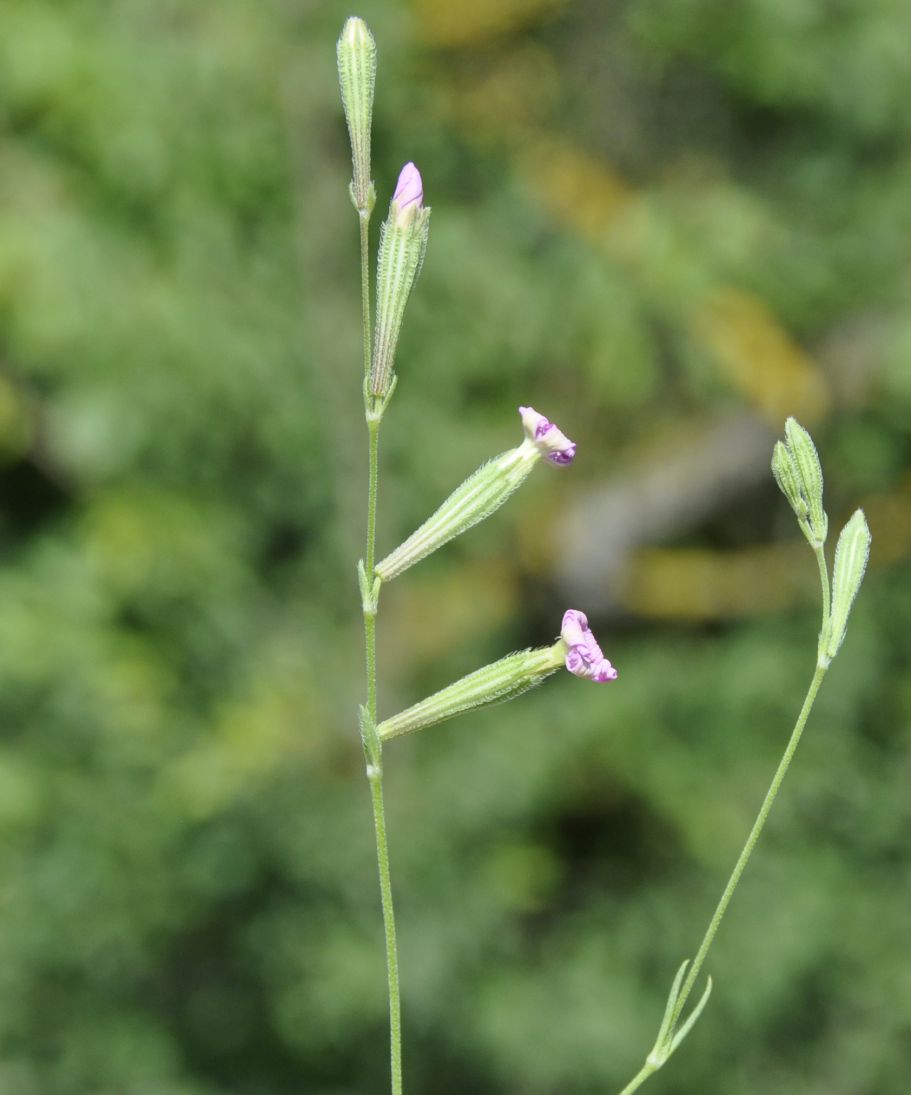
(495, 683)
(403, 242)
(478, 497)
(798, 473)
(482, 493)
(356, 55)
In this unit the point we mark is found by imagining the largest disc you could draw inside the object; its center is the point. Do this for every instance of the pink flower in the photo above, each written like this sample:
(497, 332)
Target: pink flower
(409, 190)
(584, 657)
(550, 441)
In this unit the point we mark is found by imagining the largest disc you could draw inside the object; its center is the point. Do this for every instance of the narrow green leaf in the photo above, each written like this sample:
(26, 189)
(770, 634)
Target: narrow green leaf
(691, 1021)
(665, 1027)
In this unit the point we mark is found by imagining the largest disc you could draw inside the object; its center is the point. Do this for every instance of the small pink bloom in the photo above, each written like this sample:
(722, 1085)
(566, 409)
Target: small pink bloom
(409, 190)
(551, 442)
(584, 657)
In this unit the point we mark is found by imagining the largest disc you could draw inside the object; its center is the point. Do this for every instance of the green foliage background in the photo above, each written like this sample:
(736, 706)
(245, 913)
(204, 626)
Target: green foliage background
(649, 218)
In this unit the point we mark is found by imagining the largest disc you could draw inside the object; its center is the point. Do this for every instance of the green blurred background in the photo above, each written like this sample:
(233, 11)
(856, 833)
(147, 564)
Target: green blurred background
(667, 225)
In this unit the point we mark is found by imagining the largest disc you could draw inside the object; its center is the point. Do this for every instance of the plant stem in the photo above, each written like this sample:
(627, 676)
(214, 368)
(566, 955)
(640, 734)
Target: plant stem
(373, 434)
(695, 968)
(363, 217)
(375, 771)
(375, 776)
(639, 1079)
(822, 664)
(820, 554)
(392, 962)
(370, 611)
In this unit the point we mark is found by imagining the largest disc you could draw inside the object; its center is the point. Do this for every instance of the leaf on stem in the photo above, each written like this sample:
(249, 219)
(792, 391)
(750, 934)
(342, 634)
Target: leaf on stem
(669, 1036)
(691, 1021)
(373, 749)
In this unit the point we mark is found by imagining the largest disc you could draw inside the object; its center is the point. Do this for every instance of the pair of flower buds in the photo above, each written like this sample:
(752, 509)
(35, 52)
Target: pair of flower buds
(478, 497)
(403, 235)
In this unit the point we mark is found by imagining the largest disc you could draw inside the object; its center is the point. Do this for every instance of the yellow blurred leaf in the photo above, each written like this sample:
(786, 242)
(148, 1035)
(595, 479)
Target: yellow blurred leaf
(695, 584)
(474, 21)
(759, 358)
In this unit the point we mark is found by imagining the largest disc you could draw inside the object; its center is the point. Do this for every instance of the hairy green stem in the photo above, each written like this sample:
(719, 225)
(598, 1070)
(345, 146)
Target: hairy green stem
(820, 554)
(363, 217)
(375, 770)
(375, 776)
(373, 434)
(370, 610)
(392, 961)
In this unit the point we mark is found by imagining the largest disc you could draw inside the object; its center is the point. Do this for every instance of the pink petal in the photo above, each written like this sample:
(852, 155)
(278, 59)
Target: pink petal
(409, 190)
(584, 657)
(549, 439)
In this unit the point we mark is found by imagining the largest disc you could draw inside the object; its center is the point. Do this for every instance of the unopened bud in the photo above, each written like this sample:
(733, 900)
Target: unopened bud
(809, 474)
(478, 497)
(786, 477)
(403, 241)
(356, 53)
(408, 197)
(584, 657)
(851, 555)
(796, 467)
(576, 649)
(550, 441)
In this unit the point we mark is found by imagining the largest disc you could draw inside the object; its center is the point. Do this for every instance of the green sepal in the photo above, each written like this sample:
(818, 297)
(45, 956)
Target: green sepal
(364, 211)
(370, 590)
(375, 405)
(373, 747)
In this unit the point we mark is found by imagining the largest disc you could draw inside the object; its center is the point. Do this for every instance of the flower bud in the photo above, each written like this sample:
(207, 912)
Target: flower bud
(805, 459)
(549, 440)
(479, 496)
(495, 683)
(408, 197)
(786, 477)
(403, 241)
(356, 54)
(796, 467)
(576, 648)
(851, 555)
(584, 657)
